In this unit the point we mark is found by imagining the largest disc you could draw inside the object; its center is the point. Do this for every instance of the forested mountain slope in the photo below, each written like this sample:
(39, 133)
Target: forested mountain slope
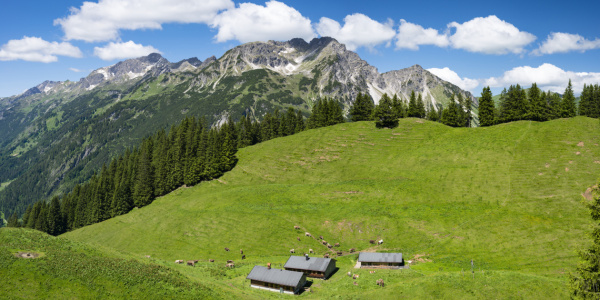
(58, 134)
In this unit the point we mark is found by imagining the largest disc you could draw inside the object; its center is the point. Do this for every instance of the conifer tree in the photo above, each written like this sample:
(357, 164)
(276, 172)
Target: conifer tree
(143, 186)
(384, 113)
(554, 105)
(398, 107)
(585, 283)
(55, 223)
(13, 220)
(413, 110)
(420, 107)
(432, 114)
(300, 124)
(568, 102)
(487, 112)
(362, 108)
(537, 107)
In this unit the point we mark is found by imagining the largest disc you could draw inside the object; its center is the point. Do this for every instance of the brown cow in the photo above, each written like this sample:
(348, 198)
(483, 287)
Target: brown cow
(229, 261)
(211, 260)
(179, 261)
(296, 227)
(329, 246)
(192, 263)
(339, 253)
(298, 238)
(380, 283)
(351, 250)
(311, 251)
(230, 265)
(355, 276)
(307, 234)
(326, 255)
(226, 249)
(337, 244)
(244, 256)
(372, 241)
(355, 283)
(321, 237)
(324, 242)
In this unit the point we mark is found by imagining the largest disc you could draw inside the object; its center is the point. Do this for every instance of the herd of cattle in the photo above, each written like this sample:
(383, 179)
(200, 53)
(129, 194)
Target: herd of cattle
(231, 264)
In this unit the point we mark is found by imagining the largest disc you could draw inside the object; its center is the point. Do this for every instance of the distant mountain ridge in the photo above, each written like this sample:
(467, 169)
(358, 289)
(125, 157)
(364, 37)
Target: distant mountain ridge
(57, 134)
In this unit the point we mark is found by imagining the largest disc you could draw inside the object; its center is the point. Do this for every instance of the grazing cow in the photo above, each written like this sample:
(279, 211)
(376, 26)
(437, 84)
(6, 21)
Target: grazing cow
(226, 249)
(230, 265)
(179, 261)
(349, 274)
(351, 250)
(307, 234)
(355, 283)
(241, 251)
(329, 246)
(380, 242)
(380, 283)
(292, 251)
(211, 260)
(324, 242)
(229, 261)
(337, 244)
(298, 238)
(311, 251)
(321, 237)
(147, 256)
(326, 255)
(296, 227)
(372, 241)
(339, 253)
(192, 263)
(244, 256)
(355, 276)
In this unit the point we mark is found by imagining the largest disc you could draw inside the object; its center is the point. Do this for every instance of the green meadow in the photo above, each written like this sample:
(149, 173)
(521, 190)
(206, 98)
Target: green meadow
(508, 197)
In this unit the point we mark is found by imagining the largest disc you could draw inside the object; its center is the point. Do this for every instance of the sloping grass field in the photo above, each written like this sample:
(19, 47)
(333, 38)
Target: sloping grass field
(507, 197)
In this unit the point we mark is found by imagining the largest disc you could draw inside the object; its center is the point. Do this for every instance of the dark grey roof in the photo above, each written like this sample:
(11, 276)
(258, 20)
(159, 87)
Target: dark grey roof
(380, 257)
(319, 264)
(277, 276)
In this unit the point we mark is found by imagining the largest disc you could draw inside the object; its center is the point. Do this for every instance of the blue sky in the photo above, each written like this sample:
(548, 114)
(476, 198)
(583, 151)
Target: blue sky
(471, 43)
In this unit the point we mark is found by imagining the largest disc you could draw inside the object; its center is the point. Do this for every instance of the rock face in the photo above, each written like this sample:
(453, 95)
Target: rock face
(338, 72)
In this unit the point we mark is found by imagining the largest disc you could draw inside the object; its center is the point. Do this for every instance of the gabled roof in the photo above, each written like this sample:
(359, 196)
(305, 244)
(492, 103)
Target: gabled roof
(318, 264)
(277, 276)
(380, 257)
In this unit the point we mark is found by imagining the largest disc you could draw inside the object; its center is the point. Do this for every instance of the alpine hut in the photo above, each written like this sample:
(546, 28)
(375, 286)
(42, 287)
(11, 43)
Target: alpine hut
(276, 280)
(380, 260)
(317, 267)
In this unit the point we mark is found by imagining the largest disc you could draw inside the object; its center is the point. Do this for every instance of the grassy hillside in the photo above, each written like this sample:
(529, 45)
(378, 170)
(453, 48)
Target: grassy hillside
(63, 269)
(507, 196)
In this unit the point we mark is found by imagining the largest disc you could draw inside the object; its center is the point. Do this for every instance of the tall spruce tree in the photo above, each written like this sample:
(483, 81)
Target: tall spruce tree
(413, 109)
(420, 107)
(537, 106)
(384, 113)
(143, 190)
(362, 108)
(399, 107)
(487, 114)
(569, 108)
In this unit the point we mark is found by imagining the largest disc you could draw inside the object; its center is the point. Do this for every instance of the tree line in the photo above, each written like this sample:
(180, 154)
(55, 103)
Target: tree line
(518, 104)
(387, 112)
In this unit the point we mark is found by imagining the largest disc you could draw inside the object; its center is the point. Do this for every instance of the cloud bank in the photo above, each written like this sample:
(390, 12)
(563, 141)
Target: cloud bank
(37, 50)
(123, 50)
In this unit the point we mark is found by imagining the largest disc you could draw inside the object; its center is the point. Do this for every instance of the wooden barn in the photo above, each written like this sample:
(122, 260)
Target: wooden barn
(276, 280)
(380, 260)
(317, 267)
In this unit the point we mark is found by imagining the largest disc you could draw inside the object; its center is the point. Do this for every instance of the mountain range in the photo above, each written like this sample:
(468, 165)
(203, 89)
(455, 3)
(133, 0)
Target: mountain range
(57, 134)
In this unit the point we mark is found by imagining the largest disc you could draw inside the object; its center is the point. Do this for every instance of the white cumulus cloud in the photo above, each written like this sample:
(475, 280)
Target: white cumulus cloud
(559, 42)
(250, 22)
(547, 77)
(452, 77)
(102, 21)
(37, 50)
(358, 31)
(123, 50)
(410, 36)
(489, 35)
